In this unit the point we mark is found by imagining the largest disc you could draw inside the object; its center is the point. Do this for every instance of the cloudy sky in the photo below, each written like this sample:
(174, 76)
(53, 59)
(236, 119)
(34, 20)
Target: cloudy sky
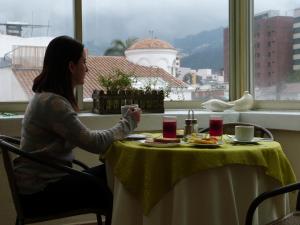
(105, 20)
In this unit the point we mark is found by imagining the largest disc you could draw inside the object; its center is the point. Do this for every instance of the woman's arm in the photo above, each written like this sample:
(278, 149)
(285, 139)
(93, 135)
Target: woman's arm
(62, 120)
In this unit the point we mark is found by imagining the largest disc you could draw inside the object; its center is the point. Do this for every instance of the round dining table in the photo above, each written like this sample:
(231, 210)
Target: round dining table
(187, 184)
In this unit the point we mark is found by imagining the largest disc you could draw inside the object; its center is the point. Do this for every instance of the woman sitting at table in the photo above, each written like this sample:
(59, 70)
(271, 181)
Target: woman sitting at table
(51, 129)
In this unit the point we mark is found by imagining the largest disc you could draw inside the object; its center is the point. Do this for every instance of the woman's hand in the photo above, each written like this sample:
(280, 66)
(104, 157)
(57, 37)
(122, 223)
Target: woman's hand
(135, 113)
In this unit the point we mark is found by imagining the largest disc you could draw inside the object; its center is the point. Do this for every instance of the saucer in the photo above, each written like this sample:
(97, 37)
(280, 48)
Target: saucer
(252, 141)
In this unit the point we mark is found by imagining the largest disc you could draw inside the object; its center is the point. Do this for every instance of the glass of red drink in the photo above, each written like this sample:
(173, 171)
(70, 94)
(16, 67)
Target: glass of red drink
(169, 126)
(215, 126)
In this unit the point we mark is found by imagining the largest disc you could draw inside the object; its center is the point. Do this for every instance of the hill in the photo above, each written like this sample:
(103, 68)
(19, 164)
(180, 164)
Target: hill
(202, 50)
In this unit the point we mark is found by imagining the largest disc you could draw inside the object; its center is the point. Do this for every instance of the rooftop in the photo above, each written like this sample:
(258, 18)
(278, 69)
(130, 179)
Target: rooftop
(151, 44)
(102, 66)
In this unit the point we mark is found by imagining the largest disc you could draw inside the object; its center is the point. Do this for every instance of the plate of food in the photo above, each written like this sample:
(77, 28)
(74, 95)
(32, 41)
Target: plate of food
(206, 142)
(161, 142)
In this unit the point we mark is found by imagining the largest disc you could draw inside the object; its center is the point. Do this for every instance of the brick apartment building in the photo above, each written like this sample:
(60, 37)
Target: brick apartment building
(296, 41)
(273, 48)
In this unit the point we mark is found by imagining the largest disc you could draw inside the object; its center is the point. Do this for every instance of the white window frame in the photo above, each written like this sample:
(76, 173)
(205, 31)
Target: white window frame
(241, 68)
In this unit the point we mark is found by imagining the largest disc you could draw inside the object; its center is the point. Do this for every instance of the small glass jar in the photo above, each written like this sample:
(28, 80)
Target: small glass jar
(188, 128)
(194, 126)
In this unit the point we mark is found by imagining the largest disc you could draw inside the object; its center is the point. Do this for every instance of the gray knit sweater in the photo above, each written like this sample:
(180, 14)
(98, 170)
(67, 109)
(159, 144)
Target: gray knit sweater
(51, 129)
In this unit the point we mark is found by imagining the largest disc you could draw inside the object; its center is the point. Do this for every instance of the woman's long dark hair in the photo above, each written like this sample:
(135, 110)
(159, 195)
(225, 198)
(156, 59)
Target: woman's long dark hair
(56, 76)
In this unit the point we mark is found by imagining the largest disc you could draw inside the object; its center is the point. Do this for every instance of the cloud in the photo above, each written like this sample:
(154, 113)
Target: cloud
(110, 19)
(168, 19)
(284, 6)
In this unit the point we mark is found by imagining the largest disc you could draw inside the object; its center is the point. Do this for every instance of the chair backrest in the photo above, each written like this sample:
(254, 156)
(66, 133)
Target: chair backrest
(10, 146)
(259, 131)
(286, 220)
(8, 164)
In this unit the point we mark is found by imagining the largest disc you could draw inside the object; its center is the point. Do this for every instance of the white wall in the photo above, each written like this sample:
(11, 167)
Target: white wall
(12, 90)
(162, 58)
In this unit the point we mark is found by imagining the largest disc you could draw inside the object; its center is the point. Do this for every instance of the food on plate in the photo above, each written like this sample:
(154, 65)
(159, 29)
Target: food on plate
(209, 140)
(179, 133)
(166, 140)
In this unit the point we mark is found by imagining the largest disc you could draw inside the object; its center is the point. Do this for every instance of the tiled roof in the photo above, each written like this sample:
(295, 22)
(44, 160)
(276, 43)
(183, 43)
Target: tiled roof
(25, 78)
(151, 44)
(104, 66)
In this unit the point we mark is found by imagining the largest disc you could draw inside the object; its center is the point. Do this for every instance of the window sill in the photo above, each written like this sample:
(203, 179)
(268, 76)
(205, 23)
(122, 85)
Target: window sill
(280, 120)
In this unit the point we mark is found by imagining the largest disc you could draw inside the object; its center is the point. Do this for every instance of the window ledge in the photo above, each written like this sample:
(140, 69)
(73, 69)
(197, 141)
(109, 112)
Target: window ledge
(281, 120)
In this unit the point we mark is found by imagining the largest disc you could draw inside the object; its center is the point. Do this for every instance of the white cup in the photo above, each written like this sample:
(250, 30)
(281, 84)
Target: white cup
(244, 133)
(124, 108)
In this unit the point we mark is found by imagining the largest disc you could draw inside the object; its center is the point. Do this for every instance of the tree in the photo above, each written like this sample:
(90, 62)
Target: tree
(119, 47)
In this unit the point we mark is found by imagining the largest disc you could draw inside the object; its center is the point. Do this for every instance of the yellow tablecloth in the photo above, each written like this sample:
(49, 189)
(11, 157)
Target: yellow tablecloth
(150, 172)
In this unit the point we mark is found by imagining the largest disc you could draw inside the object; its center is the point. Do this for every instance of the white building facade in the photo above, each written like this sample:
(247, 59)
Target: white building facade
(154, 53)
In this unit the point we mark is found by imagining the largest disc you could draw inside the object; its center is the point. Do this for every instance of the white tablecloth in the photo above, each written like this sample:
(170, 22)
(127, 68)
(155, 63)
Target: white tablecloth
(219, 196)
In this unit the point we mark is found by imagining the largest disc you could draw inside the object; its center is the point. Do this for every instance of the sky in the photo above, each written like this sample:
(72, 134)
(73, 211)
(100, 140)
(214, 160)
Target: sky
(105, 20)
(285, 6)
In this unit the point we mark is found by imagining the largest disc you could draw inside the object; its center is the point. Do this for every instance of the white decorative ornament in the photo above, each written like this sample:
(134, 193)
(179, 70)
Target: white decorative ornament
(217, 105)
(244, 103)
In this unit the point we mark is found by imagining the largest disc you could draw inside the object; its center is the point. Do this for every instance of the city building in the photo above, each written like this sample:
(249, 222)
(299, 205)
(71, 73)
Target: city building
(273, 44)
(18, 72)
(154, 52)
(296, 40)
(273, 40)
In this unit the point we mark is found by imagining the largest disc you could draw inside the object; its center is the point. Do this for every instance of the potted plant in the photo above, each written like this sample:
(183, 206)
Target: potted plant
(119, 91)
(118, 81)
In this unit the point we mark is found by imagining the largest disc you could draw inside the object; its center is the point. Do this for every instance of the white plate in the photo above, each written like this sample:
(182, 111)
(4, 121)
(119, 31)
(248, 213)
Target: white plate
(159, 144)
(207, 145)
(136, 137)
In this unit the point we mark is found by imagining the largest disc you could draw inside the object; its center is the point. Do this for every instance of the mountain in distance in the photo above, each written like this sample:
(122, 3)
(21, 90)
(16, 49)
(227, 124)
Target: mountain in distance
(200, 51)
(203, 50)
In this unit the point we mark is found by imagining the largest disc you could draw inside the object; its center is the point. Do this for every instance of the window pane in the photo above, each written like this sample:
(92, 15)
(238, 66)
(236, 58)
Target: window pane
(26, 27)
(170, 44)
(276, 37)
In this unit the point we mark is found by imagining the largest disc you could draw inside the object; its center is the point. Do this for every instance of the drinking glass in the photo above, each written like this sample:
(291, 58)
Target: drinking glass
(216, 126)
(124, 109)
(169, 126)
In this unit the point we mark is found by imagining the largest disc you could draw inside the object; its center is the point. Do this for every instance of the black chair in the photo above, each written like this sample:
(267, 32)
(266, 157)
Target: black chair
(292, 218)
(259, 131)
(9, 146)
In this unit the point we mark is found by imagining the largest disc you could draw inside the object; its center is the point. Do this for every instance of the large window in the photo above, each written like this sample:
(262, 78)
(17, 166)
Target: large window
(197, 55)
(276, 39)
(26, 27)
(185, 41)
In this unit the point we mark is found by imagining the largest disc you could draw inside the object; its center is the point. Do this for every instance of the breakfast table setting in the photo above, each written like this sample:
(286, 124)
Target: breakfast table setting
(195, 178)
(147, 173)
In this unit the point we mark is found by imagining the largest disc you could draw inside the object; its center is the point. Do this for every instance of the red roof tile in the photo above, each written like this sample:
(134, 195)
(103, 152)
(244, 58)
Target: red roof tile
(102, 66)
(151, 44)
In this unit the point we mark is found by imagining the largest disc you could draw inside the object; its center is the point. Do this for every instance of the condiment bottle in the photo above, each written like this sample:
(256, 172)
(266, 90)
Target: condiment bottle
(188, 128)
(194, 121)
(194, 126)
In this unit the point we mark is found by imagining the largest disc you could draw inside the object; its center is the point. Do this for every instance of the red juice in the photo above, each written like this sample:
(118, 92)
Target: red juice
(215, 127)
(169, 129)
